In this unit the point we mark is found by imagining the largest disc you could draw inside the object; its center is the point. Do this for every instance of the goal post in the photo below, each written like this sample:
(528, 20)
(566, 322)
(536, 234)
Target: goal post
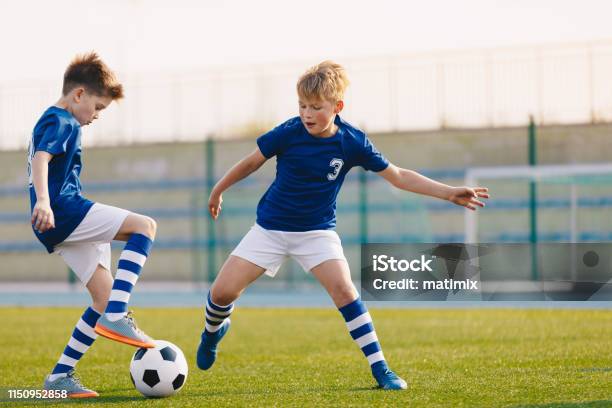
(578, 185)
(572, 175)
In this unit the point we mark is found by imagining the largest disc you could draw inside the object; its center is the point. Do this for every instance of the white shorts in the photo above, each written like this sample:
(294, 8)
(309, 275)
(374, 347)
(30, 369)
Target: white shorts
(89, 244)
(269, 249)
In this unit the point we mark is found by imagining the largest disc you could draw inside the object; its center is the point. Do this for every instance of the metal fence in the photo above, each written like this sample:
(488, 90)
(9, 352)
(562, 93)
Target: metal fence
(556, 84)
(170, 183)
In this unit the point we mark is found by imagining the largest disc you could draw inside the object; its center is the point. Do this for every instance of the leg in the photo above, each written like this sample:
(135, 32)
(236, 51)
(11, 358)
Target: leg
(83, 336)
(137, 224)
(116, 324)
(335, 277)
(235, 275)
(99, 287)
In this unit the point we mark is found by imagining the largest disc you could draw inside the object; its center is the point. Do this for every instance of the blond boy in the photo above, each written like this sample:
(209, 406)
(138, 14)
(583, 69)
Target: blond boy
(296, 216)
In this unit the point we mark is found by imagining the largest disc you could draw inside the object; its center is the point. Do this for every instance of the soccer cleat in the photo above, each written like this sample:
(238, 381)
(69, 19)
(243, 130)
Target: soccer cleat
(71, 384)
(207, 350)
(123, 330)
(387, 379)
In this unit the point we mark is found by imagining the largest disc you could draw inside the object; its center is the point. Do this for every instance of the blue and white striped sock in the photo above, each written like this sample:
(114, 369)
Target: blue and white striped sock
(130, 264)
(216, 315)
(361, 329)
(82, 338)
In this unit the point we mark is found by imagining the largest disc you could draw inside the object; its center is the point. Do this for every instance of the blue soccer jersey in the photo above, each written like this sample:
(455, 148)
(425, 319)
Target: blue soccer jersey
(309, 173)
(59, 133)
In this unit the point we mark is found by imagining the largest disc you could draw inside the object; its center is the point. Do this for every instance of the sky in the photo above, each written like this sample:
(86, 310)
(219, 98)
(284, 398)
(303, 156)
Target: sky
(40, 37)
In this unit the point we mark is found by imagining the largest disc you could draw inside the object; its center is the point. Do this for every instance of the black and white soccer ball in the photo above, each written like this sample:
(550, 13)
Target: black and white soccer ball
(159, 371)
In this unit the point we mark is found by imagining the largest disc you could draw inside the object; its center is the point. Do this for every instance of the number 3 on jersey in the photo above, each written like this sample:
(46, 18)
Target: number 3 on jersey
(337, 165)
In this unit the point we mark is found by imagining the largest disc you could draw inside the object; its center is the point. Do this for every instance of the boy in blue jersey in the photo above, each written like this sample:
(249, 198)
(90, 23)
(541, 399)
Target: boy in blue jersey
(79, 230)
(297, 214)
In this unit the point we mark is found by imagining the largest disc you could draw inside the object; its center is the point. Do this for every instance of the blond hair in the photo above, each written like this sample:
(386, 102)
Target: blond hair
(326, 80)
(90, 72)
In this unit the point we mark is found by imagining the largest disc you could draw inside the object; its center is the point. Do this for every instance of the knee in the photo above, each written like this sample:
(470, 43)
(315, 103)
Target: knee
(222, 297)
(148, 227)
(343, 295)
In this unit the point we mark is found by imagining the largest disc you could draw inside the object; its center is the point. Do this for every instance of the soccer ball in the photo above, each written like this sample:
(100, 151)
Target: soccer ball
(159, 371)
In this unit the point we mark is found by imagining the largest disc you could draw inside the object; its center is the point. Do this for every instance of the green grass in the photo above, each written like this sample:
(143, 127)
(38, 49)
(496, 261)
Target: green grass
(304, 357)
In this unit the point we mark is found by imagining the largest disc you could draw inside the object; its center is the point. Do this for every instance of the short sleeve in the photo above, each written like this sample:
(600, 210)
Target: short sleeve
(55, 137)
(270, 143)
(370, 158)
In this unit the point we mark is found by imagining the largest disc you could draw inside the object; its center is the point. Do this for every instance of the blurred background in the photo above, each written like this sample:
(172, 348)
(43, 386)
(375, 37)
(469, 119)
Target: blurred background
(516, 96)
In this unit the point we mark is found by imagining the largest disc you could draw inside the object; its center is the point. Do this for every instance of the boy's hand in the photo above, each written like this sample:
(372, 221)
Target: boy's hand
(42, 216)
(468, 196)
(214, 205)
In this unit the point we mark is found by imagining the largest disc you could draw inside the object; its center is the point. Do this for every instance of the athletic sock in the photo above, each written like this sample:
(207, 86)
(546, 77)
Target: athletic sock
(361, 329)
(82, 338)
(216, 315)
(130, 264)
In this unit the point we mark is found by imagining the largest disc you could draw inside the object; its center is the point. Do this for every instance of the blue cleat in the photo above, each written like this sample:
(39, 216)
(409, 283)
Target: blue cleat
(387, 379)
(207, 350)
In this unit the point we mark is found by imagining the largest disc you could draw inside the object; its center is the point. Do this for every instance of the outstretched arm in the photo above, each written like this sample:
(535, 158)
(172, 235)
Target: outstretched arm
(414, 182)
(240, 170)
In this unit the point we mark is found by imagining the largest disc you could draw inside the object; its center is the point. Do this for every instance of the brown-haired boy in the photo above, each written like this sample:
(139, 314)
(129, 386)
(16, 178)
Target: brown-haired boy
(79, 230)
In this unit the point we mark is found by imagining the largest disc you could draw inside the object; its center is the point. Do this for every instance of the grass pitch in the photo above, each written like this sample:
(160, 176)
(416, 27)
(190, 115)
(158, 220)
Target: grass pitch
(304, 357)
